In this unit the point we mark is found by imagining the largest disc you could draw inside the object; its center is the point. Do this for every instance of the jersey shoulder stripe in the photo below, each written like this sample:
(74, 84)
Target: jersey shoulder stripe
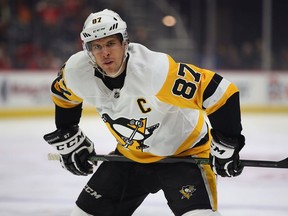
(212, 86)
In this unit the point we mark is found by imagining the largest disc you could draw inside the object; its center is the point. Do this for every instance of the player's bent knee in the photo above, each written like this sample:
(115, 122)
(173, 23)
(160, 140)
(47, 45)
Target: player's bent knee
(202, 212)
(79, 212)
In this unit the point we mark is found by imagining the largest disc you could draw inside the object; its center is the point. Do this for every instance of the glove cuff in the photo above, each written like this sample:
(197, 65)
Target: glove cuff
(229, 142)
(60, 135)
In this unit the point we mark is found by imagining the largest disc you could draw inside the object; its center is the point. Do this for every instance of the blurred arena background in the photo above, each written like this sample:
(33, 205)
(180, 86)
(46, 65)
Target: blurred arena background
(244, 40)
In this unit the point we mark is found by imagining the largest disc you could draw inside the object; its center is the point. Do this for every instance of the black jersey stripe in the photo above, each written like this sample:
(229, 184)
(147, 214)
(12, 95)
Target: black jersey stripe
(212, 86)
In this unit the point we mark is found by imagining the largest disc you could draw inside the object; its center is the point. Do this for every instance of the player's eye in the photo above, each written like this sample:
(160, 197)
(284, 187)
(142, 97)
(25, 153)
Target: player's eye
(110, 44)
(96, 47)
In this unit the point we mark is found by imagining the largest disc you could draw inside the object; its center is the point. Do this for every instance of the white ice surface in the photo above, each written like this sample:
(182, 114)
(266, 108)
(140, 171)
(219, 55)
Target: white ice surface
(30, 185)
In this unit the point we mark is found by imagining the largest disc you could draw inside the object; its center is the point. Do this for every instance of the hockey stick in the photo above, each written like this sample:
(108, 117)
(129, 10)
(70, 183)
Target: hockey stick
(249, 163)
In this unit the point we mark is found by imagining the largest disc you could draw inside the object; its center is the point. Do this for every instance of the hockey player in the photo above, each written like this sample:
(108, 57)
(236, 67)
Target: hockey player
(155, 108)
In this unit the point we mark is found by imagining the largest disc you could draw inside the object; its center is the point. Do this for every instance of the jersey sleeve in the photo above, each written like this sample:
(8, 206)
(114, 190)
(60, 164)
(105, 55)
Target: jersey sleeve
(188, 86)
(227, 119)
(68, 106)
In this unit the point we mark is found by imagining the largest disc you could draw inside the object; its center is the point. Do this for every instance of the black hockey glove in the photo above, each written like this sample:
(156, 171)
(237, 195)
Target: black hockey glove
(224, 154)
(74, 148)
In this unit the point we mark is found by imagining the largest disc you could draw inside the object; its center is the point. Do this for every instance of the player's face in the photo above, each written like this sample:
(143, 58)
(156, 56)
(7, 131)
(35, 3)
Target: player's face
(109, 53)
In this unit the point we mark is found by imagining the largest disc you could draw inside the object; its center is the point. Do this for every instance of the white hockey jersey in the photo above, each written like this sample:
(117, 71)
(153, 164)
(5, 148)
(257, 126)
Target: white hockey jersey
(160, 109)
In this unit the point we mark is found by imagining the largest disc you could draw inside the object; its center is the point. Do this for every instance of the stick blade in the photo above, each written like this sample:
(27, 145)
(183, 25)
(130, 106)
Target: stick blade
(283, 163)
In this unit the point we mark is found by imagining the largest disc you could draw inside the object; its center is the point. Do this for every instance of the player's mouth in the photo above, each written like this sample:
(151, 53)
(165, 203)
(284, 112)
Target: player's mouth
(108, 63)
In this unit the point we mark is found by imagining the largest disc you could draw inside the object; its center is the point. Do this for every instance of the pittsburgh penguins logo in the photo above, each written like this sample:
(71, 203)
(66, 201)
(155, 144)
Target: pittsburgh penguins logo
(131, 133)
(187, 191)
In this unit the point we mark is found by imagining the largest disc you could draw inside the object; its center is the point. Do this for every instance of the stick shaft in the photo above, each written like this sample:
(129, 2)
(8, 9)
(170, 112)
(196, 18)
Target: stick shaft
(248, 163)
(267, 164)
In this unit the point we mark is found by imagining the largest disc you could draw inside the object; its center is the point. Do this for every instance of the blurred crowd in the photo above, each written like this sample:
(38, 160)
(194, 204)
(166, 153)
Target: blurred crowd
(43, 34)
(39, 34)
(249, 56)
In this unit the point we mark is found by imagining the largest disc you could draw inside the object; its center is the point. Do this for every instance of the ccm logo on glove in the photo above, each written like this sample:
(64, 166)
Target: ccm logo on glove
(70, 144)
(223, 151)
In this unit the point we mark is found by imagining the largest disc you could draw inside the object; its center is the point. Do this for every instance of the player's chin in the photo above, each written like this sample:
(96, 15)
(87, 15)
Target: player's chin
(111, 73)
(108, 69)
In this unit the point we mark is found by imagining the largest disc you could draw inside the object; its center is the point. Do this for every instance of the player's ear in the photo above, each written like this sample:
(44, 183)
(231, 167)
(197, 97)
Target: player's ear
(125, 43)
